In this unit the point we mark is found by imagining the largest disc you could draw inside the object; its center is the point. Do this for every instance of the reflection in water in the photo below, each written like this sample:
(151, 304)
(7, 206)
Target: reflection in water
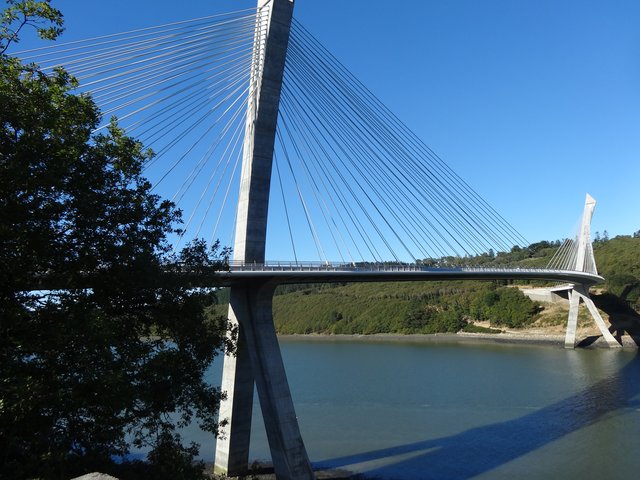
(482, 449)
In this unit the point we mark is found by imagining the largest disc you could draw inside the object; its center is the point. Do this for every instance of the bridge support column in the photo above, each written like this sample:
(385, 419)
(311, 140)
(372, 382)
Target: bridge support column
(572, 323)
(251, 306)
(585, 262)
(232, 449)
(580, 292)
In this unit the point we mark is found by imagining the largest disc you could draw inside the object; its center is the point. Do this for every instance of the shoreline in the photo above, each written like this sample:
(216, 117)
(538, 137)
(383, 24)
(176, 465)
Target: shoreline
(506, 338)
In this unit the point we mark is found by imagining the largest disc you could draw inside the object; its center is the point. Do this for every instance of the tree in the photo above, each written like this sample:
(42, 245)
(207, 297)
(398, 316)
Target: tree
(20, 13)
(535, 248)
(90, 369)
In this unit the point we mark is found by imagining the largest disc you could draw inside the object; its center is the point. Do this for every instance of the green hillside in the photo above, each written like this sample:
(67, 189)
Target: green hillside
(415, 307)
(618, 261)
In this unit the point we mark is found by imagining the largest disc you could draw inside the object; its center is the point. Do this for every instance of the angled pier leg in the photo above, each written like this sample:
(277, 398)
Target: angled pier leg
(252, 306)
(584, 294)
(232, 449)
(580, 292)
(585, 262)
(572, 323)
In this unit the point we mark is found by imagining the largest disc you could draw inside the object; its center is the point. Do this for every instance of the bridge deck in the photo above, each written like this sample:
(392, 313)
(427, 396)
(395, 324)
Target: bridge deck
(289, 273)
(284, 273)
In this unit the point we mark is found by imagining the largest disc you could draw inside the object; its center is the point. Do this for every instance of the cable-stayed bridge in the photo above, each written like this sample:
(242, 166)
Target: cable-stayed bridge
(267, 142)
(350, 181)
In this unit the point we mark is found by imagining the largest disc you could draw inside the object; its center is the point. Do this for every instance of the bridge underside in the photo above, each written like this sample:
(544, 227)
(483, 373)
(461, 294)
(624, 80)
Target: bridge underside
(282, 275)
(279, 275)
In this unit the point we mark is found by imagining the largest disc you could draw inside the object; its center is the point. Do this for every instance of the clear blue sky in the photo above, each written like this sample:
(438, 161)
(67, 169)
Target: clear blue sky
(533, 102)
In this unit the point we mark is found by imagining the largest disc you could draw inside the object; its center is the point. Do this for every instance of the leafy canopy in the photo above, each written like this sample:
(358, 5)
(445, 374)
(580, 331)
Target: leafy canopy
(87, 373)
(20, 13)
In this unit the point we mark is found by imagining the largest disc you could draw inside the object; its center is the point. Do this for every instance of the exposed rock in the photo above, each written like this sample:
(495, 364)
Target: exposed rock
(95, 476)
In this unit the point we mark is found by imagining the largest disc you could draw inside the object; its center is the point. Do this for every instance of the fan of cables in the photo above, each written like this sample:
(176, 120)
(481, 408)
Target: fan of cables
(350, 181)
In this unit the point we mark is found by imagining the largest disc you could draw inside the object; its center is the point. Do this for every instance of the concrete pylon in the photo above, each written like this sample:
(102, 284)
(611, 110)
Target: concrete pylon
(585, 262)
(257, 358)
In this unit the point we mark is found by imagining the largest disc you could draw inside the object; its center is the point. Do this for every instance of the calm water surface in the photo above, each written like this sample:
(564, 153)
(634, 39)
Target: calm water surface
(457, 411)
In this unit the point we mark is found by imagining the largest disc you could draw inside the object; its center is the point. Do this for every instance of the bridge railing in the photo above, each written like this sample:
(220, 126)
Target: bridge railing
(286, 265)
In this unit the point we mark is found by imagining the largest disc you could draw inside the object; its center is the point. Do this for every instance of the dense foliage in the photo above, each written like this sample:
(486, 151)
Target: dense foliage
(417, 307)
(90, 369)
(618, 260)
(46, 20)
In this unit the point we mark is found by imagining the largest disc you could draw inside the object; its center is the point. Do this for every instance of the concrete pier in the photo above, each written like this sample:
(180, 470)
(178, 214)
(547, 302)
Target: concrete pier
(585, 262)
(258, 358)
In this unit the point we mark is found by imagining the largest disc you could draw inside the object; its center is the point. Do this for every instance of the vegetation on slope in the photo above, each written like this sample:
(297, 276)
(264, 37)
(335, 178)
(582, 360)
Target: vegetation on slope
(618, 262)
(417, 307)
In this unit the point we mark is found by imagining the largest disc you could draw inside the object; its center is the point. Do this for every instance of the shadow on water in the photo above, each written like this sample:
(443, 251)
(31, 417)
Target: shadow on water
(482, 449)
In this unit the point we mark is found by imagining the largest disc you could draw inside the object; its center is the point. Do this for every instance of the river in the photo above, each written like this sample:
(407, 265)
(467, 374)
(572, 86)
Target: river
(401, 410)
